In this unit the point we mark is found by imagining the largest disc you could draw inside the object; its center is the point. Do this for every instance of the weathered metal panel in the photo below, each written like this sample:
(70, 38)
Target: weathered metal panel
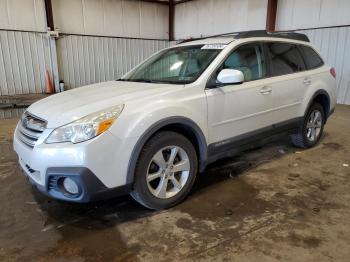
(85, 60)
(25, 15)
(300, 14)
(211, 17)
(114, 18)
(24, 57)
(333, 44)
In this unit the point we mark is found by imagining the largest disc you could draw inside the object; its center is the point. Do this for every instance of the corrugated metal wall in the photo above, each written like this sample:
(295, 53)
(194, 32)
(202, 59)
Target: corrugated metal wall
(116, 18)
(25, 49)
(301, 14)
(25, 15)
(24, 57)
(333, 43)
(84, 60)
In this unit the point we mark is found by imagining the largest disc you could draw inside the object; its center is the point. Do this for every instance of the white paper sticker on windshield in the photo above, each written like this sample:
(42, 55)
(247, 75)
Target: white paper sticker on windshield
(214, 46)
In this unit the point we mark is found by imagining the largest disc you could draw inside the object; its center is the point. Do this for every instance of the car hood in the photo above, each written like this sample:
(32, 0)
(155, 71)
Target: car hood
(65, 107)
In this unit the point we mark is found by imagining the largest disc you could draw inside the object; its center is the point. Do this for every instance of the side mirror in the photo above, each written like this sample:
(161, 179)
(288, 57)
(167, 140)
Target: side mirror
(230, 76)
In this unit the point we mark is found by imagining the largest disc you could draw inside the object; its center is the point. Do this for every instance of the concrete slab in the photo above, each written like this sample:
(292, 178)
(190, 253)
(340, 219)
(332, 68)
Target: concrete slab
(275, 203)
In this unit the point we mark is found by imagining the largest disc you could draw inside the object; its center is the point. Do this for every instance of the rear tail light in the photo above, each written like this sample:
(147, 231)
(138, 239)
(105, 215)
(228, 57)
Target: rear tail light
(333, 73)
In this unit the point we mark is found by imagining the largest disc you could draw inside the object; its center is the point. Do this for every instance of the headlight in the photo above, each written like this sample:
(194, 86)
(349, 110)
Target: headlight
(87, 127)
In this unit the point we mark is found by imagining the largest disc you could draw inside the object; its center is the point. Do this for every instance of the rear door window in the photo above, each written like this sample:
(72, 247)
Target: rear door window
(285, 58)
(311, 58)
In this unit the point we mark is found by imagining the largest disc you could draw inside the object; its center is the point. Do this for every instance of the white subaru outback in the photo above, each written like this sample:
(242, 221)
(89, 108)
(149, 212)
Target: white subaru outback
(150, 132)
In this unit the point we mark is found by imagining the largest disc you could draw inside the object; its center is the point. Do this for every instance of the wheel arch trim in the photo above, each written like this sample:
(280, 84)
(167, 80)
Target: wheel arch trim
(317, 93)
(201, 140)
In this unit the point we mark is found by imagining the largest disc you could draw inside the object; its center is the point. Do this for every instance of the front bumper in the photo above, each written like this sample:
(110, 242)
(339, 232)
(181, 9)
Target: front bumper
(99, 166)
(90, 187)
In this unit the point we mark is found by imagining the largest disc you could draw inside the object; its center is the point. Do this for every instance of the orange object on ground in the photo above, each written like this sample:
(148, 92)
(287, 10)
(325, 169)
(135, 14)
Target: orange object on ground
(48, 83)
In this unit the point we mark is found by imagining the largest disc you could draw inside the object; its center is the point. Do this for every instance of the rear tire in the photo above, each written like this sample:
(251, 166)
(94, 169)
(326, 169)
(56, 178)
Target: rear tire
(311, 131)
(165, 171)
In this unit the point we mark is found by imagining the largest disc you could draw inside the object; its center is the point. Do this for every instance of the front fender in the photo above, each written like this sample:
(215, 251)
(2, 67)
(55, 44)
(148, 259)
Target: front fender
(157, 126)
(141, 119)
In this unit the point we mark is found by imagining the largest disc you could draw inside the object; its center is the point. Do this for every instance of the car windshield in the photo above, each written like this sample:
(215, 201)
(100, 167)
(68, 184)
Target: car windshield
(179, 65)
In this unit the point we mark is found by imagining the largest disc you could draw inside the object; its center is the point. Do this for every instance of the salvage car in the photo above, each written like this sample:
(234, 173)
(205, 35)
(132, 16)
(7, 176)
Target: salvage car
(149, 133)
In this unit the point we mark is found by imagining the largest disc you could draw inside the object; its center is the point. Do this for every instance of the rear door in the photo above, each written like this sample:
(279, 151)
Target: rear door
(288, 79)
(313, 78)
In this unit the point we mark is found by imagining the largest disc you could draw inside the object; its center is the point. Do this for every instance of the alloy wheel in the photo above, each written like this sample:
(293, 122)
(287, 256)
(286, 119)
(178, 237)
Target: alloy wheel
(168, 172)
(314, 125)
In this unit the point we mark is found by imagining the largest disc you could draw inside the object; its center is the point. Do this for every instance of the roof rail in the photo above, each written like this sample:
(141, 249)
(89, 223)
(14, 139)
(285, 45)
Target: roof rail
(191, 39)
(263, 33)
(256, 33)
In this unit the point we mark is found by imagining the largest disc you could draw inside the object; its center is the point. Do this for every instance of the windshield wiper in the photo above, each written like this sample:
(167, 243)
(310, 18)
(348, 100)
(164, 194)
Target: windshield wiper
(142, 80)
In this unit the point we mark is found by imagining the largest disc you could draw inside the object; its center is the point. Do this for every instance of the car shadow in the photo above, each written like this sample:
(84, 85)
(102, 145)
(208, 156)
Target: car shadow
(109, 213)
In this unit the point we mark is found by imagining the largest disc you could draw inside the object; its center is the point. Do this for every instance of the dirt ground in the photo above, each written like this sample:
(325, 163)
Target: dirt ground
(275, 203)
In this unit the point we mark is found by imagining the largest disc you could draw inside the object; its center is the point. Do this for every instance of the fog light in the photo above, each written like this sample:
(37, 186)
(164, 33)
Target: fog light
(70, 186)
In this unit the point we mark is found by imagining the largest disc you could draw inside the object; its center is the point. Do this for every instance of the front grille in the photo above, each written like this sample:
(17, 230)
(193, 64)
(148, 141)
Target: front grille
(30, 129)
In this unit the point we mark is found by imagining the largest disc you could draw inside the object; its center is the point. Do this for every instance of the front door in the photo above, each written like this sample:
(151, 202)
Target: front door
(238, 109)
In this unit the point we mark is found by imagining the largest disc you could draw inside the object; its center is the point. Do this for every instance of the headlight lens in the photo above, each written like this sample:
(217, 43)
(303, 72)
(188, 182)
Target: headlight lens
(87, 127)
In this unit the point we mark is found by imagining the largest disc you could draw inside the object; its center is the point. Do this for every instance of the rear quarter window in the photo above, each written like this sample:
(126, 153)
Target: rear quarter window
(311, 58)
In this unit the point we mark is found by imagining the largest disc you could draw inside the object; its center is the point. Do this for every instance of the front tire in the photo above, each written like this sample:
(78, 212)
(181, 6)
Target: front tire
(312, 128)
(165, 171)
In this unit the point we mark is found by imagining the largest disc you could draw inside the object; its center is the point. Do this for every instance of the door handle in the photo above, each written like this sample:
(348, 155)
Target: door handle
(307, 81)
(265, 90)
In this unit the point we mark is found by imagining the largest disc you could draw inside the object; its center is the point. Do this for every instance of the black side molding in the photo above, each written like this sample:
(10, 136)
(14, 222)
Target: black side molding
(235, 145)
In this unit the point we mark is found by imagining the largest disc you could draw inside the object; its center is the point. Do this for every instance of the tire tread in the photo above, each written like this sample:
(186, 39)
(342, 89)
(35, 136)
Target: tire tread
(298, 139)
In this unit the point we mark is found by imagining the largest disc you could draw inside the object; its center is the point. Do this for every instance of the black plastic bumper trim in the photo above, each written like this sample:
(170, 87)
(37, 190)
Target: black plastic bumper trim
(91, 187)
